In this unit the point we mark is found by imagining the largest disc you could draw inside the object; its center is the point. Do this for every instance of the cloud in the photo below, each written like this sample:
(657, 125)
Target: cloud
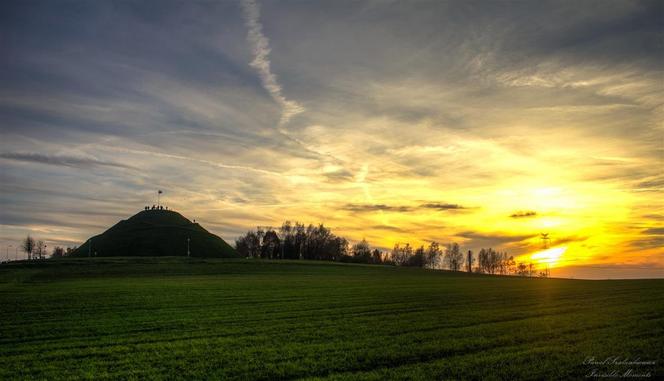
(260, 46)
(405, 106)
(376, 207)
(442, 206)
(390, 228)
(339, 175)
(524, 214)
(568, 239)
(476, 239)
(654, 231)
(402, 208)
(610, 271)
(62, 160)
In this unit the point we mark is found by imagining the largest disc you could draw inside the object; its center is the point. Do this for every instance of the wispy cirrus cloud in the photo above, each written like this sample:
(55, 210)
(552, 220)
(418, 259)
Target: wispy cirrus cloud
(62, 160)
(475, 105)
(260, 46)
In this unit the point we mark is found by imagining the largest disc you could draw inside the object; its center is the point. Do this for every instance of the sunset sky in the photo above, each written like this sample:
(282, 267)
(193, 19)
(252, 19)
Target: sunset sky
(481, 123)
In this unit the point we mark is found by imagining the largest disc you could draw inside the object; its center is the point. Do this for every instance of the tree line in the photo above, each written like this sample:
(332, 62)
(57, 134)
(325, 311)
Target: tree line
(37, 249)
(294, 240)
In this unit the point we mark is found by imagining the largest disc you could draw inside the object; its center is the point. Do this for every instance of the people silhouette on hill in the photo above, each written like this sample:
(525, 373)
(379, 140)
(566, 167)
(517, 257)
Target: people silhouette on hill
(156, 207)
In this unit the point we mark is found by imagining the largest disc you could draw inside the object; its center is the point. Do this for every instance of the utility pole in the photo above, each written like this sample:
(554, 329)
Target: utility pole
(188, 252)
(545, 240)
(545, 245)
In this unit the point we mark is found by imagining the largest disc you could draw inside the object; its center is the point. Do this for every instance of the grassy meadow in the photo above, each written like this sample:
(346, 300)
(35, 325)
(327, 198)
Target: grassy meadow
(174, 318)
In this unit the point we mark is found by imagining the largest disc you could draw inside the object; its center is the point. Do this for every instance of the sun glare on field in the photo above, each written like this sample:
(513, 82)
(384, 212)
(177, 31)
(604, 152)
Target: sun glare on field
(549, 256)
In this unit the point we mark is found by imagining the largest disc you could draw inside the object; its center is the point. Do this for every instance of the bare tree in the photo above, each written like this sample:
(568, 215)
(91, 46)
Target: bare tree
(453, 257)
(271, 245)
(510, 265)
(401, 254)
(361, 251)
(249, 245)
(522, 269)
(418, 258)
(40, 249)
(377, 256)
(28, 246)
(433, 255)
(58, 252)
(469, 261)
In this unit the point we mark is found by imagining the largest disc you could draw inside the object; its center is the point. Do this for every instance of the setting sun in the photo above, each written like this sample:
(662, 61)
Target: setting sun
(549, 257)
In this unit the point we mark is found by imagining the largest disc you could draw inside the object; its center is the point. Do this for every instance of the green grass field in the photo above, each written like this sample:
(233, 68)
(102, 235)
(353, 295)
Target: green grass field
(174, 318)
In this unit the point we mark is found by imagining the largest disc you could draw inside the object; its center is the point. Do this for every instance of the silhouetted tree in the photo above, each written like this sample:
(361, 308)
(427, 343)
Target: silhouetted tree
(433, 255)
(510, 265)
(249, 245)
(489, 261)
(377, 256)
(294, 240)
(270, 247)
(58, 252)
(417, 259)
(362, 252)
(453, 257)
(28, 246)
(40, 249)
(400, 254)
(300, 238)
(522, 269)
(342, 249)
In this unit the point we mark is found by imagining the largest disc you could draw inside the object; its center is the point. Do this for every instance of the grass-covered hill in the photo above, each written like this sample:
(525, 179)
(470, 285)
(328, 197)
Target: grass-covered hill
(156, 233)
(222, 319)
